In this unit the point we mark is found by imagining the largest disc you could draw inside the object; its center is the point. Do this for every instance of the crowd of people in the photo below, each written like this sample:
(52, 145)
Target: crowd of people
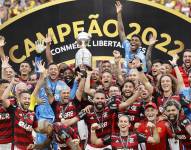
(183, 6)
(11, 8)
(145, 105)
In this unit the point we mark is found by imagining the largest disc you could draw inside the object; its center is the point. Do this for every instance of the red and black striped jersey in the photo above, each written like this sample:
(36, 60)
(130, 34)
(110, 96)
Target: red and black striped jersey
(181, 133)
(5, 126)
(184, 74)
(135, 113)
(104, 119)
(161, 101)
(58, 130)
(6, 122)
(24, 123)
(65, 111)
(129, 142)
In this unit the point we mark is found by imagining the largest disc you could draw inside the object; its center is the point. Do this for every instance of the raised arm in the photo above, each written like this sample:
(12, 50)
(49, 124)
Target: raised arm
(39, 84)
(143, 79)
(120, 21)
(74, 88)
(94, 139)
(130, 100)
(87, 88)
(117, 67)
(6, 103)
(81, 115)
(2, 56)
(152, 41)
(154, 139)
(48, 41)
(4, 64)
(2, 44)
(81, 86)
(40, 47)
(180, 83)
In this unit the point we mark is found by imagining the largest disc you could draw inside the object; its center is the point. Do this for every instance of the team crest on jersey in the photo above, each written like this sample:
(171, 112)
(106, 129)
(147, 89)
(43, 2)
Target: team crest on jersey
(159, 129)
(134, 107)
(105, 114)
(117, 141)
(161, 109)
(31, 117)
(131, 140)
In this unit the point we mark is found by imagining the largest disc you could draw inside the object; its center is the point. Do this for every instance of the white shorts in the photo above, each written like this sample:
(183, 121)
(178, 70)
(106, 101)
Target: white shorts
(6, 146)
(174, 144)
(16, 148)
(82, 130)
(88, 147)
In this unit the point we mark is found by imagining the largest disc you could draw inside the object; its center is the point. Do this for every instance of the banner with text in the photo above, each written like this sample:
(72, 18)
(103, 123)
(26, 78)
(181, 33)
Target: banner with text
(65, 19)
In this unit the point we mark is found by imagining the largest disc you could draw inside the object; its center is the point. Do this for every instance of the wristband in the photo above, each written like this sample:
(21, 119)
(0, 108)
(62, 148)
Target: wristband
(92, 131)
(174, 65)
(81, 114)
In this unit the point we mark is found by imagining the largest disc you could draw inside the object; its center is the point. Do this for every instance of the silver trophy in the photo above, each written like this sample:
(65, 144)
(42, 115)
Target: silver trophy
(83, 57)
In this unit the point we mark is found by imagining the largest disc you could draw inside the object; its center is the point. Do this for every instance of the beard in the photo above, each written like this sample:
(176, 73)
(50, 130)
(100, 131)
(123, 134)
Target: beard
(68, 80)
(127, 96)
(99, 106)
(187, 65)
(24, 106)
(173, 118)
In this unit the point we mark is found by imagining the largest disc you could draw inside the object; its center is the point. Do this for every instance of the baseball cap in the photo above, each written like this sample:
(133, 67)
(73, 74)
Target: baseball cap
(151, 104)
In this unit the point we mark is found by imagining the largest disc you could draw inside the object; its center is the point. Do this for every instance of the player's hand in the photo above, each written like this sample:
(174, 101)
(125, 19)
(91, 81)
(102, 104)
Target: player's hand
(2, 41)
(15, 81)
(76, 142)
(152, 39)
(40, 46)
(31, 146)
(118, 7)
(87, 109)
(151, 125)
(95, 126)
(48, 39)
(117, 56)
(174, 60)
(5, 62)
